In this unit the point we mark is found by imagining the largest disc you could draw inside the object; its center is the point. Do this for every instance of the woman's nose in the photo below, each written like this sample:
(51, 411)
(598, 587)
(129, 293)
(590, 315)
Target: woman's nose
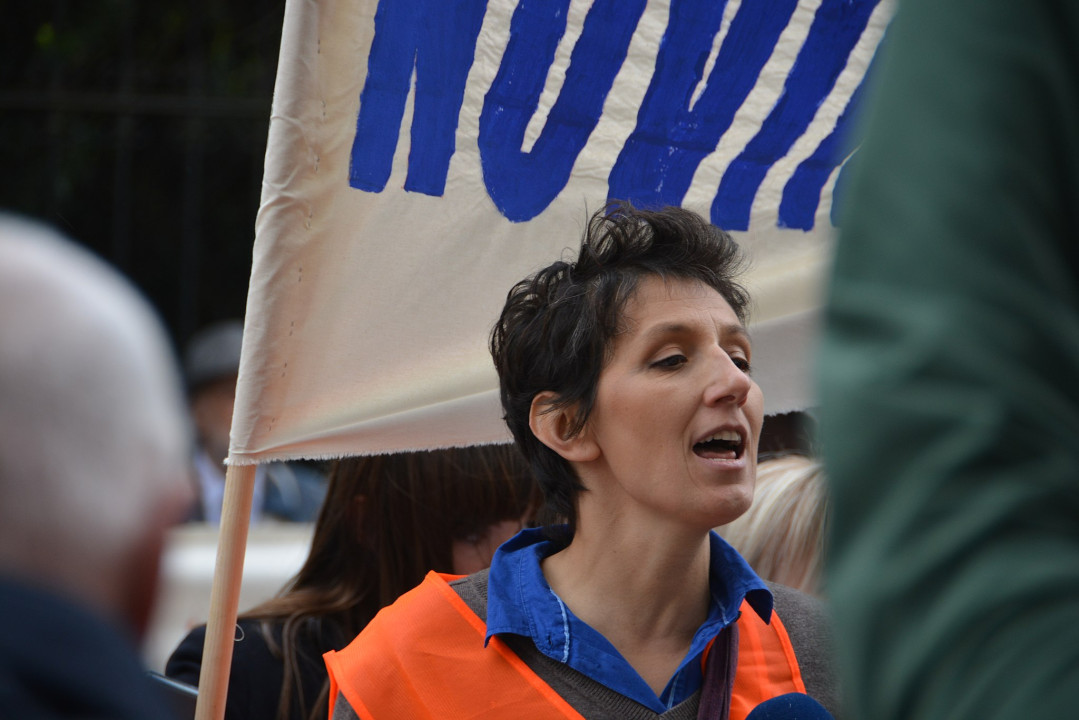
(727, 382)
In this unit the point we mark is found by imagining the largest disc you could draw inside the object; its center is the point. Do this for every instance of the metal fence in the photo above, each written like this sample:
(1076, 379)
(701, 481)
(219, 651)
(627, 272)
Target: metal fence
(139, 129)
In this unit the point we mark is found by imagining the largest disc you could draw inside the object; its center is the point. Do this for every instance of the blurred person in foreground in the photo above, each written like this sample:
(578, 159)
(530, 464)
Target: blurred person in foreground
(387, 521)
(949, 371)
(93, 462)
(625, 380)
(283, 490)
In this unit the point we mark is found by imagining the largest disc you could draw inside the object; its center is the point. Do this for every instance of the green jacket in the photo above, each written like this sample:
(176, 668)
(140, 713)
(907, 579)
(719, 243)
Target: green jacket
(949, 371)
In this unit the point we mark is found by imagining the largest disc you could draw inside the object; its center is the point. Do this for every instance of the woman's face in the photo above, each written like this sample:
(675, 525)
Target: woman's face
(677, 417)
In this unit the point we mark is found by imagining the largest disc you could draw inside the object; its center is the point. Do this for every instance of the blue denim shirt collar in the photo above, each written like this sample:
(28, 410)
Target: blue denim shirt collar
(519, 601)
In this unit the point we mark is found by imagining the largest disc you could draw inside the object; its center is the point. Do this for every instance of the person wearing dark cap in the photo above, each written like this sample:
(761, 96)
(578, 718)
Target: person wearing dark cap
(283, 490)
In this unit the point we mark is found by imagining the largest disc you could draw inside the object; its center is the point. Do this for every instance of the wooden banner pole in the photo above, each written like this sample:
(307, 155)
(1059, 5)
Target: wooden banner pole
(225, 594)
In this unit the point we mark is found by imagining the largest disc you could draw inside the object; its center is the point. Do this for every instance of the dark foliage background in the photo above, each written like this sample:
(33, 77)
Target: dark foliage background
(139, 130)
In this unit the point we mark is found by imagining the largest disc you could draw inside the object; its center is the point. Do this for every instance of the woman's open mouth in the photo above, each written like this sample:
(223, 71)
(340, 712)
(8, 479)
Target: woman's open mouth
(723, 445)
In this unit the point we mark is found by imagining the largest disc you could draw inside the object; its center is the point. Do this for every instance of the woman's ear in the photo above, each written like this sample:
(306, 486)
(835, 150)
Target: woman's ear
(551, 425)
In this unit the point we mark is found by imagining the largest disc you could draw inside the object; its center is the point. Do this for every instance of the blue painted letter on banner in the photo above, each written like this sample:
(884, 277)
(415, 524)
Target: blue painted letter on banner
(836, 28)
(801, 194)
(657, 163)
(438, 39)
(522, 184)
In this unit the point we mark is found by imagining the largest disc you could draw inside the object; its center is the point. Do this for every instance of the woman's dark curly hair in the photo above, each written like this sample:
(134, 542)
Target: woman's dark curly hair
(556, 328)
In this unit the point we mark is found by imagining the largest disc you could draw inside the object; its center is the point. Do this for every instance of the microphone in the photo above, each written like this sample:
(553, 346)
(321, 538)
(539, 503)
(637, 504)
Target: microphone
(792, 706)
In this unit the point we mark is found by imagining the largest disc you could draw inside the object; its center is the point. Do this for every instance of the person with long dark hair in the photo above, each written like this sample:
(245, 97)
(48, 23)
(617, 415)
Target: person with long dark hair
(386, 522)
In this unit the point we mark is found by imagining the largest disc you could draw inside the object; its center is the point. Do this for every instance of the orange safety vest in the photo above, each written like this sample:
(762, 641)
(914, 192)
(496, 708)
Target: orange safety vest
(423, 657)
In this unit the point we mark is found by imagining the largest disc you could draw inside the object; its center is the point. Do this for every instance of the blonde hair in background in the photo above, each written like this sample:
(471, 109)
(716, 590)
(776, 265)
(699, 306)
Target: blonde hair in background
(782, 534)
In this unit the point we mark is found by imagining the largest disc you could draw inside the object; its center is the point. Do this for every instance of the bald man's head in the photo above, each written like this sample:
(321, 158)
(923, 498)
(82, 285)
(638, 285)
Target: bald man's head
(93, 432)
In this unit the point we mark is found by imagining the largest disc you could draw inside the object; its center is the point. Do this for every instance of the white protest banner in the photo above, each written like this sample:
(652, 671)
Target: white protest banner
(424, 155)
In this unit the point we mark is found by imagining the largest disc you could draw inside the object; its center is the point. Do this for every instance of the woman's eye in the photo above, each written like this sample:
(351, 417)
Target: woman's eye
(742, 364)
(670, 361)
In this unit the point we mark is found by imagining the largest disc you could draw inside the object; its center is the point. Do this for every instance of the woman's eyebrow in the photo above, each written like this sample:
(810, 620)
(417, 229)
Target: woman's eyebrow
(677, 328)
(664, 329)
(737, 330)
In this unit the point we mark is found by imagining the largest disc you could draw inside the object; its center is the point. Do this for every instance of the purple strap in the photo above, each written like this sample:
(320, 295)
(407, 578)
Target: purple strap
(719, 675)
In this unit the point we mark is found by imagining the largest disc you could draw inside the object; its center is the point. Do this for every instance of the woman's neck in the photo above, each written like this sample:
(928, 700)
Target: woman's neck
(647, 594)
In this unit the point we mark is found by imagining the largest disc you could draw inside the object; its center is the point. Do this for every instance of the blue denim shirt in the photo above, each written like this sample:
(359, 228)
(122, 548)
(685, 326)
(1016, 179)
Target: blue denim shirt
(520, 601)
